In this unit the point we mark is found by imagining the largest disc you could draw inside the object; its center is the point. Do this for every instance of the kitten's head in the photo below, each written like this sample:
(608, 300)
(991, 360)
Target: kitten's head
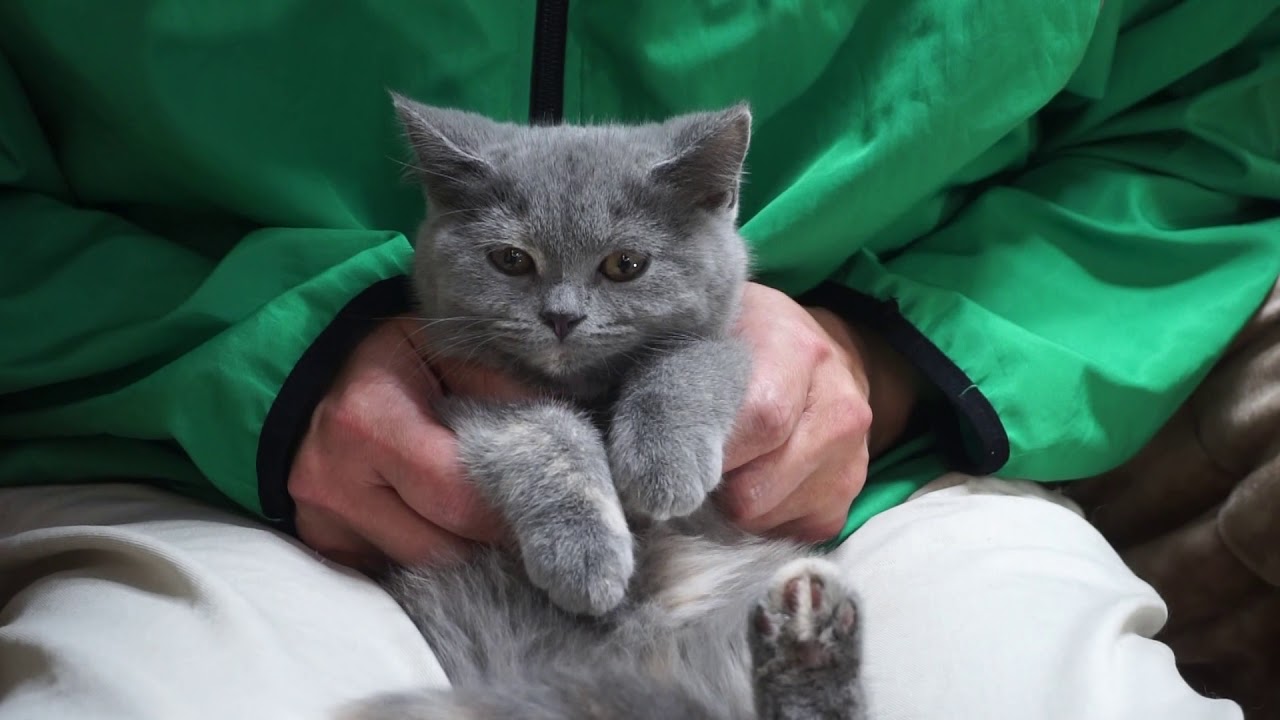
(561, 248)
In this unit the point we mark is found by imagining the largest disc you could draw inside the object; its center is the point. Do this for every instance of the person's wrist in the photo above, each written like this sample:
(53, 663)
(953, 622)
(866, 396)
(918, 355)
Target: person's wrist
(892, 383)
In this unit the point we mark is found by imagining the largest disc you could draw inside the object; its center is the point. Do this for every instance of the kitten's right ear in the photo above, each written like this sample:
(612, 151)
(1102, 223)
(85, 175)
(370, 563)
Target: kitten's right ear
(447, 147)
(710, 148)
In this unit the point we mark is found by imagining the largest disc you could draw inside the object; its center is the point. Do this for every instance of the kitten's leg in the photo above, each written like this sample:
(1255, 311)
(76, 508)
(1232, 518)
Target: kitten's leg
(611, 692)
(670, 424)
(806, 646)
(543, 465)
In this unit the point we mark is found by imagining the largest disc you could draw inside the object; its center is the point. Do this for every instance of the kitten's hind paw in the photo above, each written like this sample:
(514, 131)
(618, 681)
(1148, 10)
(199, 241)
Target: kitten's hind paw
(806, 649)
(808, 618)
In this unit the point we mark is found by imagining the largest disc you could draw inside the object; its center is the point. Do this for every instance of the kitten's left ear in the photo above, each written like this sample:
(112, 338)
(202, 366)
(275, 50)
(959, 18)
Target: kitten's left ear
(709, 151)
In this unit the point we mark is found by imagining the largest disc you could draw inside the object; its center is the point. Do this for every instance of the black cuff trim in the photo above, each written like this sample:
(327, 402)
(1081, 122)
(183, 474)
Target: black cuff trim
(979, 445)
(290, 413)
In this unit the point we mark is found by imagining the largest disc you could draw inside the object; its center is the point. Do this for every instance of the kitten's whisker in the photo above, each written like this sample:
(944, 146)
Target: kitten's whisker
(429, 325)
(428, 322)
(455, 212)
(682, 335)
(436, 352)
(424, 171)
(455, 347)
(405, 350)
(477, 347)
(433, 352)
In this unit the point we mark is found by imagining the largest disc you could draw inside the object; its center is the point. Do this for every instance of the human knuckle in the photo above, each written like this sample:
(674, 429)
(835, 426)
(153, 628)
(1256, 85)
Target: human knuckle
(337, 416)
(771, 414)
(817, 348)
(852, 418)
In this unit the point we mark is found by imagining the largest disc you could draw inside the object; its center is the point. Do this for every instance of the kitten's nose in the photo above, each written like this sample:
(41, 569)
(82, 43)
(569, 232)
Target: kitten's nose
(562, 323)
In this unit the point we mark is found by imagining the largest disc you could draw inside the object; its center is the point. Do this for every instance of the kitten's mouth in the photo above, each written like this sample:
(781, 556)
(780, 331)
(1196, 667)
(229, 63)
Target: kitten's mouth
(558, 360)
(561, 359)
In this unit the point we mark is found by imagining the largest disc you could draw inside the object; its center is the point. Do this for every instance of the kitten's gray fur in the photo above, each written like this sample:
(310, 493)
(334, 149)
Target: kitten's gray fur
(688, 617)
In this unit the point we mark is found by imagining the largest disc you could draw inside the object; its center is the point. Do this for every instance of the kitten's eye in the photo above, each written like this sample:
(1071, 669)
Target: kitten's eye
(512, 261)
(624, 265)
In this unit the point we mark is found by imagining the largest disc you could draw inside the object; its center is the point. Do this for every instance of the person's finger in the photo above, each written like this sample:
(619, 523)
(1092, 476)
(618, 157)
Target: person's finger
(775, 402)
(816, 511)
(328, 535)
(754, 490)
(784, 353)
(813, 529)
(343, 520)
(817, 507)
(831, 436)
(428, 477)
(417, 457)
(403, 535)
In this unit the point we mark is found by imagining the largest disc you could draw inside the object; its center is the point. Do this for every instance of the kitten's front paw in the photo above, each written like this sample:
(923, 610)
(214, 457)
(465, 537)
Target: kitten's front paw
(808, 622)
(583, 561)
(660, 475)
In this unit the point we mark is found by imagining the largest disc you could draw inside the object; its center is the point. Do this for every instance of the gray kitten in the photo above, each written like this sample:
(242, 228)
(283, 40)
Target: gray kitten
(602, 264)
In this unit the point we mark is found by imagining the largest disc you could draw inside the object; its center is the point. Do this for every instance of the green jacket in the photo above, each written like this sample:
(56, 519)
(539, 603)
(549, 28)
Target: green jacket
(1060, 212)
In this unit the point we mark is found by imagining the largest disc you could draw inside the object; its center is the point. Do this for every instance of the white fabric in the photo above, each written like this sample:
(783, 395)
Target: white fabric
(125, 602)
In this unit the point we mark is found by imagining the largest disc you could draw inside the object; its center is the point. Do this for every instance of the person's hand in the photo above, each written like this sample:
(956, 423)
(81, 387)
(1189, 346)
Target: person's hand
(804, 437)
(376, 475)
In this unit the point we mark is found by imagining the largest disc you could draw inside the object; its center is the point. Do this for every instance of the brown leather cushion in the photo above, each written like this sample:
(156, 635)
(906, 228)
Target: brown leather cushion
(1197, 514)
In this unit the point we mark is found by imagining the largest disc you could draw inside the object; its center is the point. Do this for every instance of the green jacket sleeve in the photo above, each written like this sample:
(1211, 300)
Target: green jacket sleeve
(182, 357)
(1066, 305)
